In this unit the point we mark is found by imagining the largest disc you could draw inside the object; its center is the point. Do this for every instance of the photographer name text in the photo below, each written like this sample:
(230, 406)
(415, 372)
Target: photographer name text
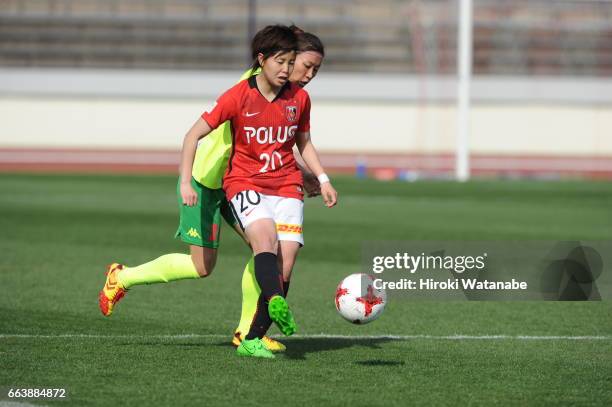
(439, 262)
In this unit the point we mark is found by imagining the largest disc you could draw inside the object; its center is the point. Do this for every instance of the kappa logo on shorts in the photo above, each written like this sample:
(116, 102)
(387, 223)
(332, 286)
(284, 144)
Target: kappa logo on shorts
(288, 228)
(291, 113)
(193, 233)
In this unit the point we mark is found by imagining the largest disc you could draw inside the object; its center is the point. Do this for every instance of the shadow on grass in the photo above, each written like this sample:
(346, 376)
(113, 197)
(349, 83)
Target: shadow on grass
(298, 348)
(381, 363)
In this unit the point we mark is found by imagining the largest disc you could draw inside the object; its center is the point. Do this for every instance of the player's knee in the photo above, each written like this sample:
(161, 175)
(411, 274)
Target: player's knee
(272, 244)
(262, 236)
(205, 267)
(265, 244)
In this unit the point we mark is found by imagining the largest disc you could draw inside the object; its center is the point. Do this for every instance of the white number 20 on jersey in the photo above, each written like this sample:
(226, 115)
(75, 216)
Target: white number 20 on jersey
(270, 161)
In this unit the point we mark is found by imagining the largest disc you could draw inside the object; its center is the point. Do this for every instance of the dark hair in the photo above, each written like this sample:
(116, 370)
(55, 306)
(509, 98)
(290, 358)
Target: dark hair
(273, 39)
(308, 41)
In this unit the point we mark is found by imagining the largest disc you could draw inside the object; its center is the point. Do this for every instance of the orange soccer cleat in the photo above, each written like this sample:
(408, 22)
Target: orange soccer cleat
(112, 292)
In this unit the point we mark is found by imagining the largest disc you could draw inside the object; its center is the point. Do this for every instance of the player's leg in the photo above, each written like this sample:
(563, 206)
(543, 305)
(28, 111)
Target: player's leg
(262, 237)
(199, 227)
(204, 259)
(250, 303)
(255, 215)
(166, 268)
(261, 322)
(289, 216)
(287, 255)
(263, 240)
(250, 289)
(250, 294)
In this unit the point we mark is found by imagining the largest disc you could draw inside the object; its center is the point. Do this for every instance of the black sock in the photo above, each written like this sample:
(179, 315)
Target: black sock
(267, 275)
(270, 282)
(262, 321)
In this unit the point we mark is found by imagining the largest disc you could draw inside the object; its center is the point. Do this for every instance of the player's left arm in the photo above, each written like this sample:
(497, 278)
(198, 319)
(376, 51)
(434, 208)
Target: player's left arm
(311, 158)
(312, 187)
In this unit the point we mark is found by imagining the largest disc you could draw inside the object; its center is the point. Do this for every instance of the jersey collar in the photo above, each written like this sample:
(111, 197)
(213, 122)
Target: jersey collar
(253, 85)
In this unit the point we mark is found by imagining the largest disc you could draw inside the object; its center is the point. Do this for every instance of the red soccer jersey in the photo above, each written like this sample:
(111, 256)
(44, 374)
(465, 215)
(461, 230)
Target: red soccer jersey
(263, 138)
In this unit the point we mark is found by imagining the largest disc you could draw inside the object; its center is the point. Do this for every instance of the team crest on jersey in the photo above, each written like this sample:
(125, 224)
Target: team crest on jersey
(291, 113)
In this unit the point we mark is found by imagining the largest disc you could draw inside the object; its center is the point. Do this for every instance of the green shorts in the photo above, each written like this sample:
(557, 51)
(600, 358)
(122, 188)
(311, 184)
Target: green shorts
(200, 225)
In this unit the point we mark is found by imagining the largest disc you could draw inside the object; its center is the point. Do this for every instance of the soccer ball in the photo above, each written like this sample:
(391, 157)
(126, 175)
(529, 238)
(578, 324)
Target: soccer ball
(358, 301)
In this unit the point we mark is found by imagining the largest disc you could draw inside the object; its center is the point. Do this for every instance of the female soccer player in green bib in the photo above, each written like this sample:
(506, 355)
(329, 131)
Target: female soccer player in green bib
(200, 224)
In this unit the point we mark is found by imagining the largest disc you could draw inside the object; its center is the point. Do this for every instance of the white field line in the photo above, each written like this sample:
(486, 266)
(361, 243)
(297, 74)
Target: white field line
(321, 336)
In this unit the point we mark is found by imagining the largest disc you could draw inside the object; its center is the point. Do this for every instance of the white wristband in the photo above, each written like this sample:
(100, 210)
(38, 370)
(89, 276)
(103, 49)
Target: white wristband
(323, 178)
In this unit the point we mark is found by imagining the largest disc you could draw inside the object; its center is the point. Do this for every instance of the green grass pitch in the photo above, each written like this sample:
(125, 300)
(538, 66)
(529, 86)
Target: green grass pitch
(169, 344)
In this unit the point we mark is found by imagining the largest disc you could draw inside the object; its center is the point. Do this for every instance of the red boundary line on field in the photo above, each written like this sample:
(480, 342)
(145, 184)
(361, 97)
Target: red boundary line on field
(387, 164)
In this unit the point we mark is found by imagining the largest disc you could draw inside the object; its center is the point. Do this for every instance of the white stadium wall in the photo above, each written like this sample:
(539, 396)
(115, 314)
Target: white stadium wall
(87, 122)
(351, 114)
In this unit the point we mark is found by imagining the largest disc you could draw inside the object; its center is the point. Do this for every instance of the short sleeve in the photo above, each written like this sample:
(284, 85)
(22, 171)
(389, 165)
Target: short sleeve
(304, 124)
(224, 109)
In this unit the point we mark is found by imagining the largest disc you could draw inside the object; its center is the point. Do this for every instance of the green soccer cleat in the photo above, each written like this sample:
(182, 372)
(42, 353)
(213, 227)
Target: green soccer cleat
(254, 348)
(279, 312)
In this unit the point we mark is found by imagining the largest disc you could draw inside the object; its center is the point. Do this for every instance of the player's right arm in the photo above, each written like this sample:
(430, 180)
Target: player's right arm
(225, 109)
(200, 129)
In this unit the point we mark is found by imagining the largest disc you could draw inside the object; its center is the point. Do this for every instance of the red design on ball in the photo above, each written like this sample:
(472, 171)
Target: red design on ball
(368, 301)
(339, 293)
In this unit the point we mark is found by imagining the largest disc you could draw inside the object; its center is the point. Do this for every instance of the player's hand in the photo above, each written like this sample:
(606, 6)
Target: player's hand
(311, 184)
(330, 196)
(189, 195)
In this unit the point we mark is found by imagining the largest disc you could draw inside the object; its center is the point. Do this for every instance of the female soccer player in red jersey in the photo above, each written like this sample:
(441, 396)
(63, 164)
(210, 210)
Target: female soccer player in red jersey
(198, 219)
(269, 115)
(307, 63)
